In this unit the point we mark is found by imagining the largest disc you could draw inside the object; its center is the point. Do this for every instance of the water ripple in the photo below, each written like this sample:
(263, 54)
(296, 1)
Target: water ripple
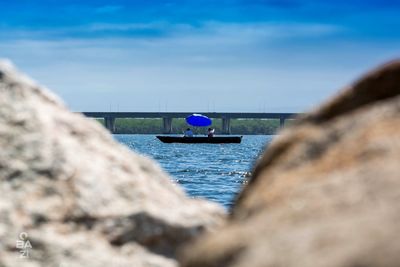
(213, 171)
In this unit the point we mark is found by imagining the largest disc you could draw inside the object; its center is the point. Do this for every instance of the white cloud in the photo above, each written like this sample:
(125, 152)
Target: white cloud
(214, 31)
(156, 25)
(273, 29)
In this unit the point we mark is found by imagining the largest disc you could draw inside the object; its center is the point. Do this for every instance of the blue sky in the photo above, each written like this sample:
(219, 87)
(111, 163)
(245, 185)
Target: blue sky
(226, 55)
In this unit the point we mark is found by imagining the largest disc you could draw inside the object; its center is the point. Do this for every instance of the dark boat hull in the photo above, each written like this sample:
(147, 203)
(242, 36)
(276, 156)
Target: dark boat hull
(200, 139)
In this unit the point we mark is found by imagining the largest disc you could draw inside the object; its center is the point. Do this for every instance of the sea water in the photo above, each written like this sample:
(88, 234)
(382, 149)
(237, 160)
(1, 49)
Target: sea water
(213, 171)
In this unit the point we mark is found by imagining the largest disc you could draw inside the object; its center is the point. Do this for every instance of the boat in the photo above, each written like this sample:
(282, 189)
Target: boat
(200, 139)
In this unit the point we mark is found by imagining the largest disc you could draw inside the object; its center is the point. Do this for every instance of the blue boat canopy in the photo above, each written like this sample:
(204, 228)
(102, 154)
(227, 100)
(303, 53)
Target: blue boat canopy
(198, 120)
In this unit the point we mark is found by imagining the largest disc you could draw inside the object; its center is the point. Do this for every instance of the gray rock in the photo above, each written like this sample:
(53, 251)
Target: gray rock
(326, 192)
(83, 199)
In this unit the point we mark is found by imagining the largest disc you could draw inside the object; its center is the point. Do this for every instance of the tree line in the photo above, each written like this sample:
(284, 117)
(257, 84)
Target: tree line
(155, 126)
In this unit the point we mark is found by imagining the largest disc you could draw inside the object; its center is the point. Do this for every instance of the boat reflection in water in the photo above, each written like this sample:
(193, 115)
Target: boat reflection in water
(200, 139)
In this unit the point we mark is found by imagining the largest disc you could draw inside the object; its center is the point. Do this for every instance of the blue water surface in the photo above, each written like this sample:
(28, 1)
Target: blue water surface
(212, 171)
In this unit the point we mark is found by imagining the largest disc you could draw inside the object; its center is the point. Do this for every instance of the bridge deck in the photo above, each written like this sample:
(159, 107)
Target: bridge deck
(230, 115)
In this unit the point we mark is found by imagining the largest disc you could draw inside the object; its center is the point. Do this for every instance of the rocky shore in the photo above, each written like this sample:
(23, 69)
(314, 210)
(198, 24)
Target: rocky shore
(327, 190)
(325, 193)
(81, 198)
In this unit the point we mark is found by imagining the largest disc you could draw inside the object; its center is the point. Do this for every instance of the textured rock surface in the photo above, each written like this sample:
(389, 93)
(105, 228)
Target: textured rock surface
(326, 192)
(83, 199)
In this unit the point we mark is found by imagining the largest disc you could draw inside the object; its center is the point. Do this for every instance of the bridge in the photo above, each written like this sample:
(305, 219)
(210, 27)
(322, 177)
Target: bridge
(109, 117)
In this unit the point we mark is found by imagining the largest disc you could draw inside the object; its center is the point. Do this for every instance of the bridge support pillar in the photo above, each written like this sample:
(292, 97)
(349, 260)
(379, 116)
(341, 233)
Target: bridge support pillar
(167, 123)
(281, 123)
(109, 123)
(226, 126)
